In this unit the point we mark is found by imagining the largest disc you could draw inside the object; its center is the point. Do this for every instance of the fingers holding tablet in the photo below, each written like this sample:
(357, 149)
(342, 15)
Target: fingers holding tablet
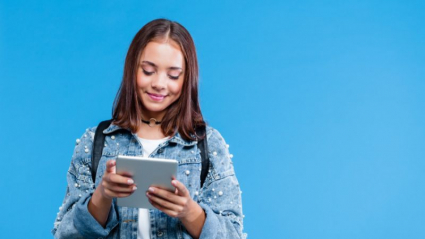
(115, 185)
(163, 194)
(178, 204)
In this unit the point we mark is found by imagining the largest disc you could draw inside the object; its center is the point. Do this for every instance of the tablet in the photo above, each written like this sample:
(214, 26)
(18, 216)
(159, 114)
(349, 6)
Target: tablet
(145, 172)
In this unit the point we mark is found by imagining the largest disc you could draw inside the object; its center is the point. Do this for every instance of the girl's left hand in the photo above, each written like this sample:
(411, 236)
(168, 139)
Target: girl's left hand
(178, 204)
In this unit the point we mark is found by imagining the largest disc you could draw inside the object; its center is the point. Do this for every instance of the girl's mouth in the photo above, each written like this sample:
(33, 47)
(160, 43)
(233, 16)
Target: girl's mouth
(156, 97)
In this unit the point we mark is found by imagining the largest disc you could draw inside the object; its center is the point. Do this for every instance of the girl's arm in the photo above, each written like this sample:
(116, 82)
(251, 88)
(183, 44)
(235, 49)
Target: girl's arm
(74, 219)
(221, 197)
(218, 213)
(112, 186)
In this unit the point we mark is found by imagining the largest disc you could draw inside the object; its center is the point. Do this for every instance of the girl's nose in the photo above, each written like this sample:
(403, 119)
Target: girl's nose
(159, 81)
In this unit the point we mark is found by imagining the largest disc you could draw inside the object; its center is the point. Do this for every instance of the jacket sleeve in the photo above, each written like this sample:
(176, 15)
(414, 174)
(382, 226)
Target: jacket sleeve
(221, 194)
(74, 220)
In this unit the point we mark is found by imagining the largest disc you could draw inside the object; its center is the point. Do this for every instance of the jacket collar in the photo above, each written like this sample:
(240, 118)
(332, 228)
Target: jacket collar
(175, 139)
(112, 128)
(179, 140)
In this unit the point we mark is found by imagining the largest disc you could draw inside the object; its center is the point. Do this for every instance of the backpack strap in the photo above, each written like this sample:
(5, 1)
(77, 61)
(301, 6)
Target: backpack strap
(203, 147)
(99, 140)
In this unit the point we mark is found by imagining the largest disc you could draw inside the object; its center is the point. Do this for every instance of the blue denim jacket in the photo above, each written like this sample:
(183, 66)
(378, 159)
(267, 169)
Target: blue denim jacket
(220, 197)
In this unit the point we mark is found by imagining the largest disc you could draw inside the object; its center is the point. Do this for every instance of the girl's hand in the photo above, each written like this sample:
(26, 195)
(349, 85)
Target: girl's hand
(114, 185)
(178, 204)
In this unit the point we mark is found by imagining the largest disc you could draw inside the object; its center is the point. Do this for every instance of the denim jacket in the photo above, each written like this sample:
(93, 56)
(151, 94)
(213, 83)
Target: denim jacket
(220, 196)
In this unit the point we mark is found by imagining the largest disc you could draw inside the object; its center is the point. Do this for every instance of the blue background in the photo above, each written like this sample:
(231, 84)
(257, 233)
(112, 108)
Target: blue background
(322, 103)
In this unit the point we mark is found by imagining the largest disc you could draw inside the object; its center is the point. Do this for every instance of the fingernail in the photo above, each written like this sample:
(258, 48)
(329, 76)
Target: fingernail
(130, 181)
(134, 188)
(151, 190)
(147, 194)
(174, 182)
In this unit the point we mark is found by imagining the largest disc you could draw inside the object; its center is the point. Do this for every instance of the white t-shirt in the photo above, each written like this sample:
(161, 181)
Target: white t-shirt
(144, 224)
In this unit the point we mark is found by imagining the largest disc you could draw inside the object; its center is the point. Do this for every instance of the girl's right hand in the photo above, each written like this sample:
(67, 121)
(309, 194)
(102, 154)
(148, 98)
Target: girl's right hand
(114, 185)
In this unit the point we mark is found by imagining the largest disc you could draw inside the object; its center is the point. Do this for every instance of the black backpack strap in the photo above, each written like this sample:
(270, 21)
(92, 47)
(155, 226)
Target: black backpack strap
(99, 140)
(203, 147)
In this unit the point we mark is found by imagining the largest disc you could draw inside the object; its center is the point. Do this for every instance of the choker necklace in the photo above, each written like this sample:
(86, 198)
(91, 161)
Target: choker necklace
(151, 122)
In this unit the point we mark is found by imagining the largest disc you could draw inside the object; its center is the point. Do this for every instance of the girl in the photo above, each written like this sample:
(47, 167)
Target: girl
(156, 113)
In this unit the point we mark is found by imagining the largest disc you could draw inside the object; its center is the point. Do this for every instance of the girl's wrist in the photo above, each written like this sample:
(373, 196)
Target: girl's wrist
(99, 206)
(99, 198)
(194, 221)
(196, 213)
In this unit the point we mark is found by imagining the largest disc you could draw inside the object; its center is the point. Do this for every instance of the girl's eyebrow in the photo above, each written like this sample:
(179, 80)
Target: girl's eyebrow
(153, 64)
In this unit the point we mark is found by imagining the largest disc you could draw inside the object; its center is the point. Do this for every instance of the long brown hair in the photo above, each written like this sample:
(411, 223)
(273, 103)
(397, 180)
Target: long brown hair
(184, 115)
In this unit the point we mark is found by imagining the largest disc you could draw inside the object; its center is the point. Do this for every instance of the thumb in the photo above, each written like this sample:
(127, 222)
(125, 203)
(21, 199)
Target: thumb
(181, 189)
(111, 166)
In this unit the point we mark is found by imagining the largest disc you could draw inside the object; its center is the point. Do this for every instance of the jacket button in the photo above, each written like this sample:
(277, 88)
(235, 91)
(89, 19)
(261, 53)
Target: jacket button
(160, 233)
(160, 151)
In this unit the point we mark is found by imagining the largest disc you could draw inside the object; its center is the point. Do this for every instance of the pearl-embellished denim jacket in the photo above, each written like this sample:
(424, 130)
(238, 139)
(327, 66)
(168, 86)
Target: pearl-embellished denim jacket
(220, 197)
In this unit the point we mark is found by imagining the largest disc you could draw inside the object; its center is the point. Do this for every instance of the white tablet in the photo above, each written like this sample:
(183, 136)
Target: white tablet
(145, 172)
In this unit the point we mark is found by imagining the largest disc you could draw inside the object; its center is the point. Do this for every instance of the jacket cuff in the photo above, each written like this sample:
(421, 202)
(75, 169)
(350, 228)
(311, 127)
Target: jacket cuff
(87, 225)
(211, 224)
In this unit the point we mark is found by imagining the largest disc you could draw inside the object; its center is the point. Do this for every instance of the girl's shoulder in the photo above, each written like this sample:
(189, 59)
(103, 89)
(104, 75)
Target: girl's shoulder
(214, 136)
(216, 143)
(219, 155)
(83, 145)
(87, 137)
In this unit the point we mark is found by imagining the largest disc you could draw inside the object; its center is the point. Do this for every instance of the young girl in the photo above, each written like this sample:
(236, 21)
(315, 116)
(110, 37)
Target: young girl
(156, 114)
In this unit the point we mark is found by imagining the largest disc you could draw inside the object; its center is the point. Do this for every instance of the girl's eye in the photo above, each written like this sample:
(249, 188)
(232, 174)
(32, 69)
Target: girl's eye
(173, 77)
(148, 73)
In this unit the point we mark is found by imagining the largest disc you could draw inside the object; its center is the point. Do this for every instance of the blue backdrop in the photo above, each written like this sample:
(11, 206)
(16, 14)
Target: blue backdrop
(322, 103)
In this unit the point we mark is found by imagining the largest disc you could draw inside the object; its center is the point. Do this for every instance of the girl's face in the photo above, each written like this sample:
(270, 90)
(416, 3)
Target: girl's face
(160, 76)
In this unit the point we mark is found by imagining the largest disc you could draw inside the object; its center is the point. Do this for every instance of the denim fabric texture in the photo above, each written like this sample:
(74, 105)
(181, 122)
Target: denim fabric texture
(220, 197)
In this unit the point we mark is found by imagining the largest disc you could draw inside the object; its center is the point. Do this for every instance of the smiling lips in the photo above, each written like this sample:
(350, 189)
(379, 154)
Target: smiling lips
(156, 97)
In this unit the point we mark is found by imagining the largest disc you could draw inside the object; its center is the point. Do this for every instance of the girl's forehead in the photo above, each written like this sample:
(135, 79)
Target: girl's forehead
(163, 54)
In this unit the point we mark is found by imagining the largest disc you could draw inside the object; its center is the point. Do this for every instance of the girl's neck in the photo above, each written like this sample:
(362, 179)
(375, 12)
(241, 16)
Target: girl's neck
(147, 132)
(146, 115)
